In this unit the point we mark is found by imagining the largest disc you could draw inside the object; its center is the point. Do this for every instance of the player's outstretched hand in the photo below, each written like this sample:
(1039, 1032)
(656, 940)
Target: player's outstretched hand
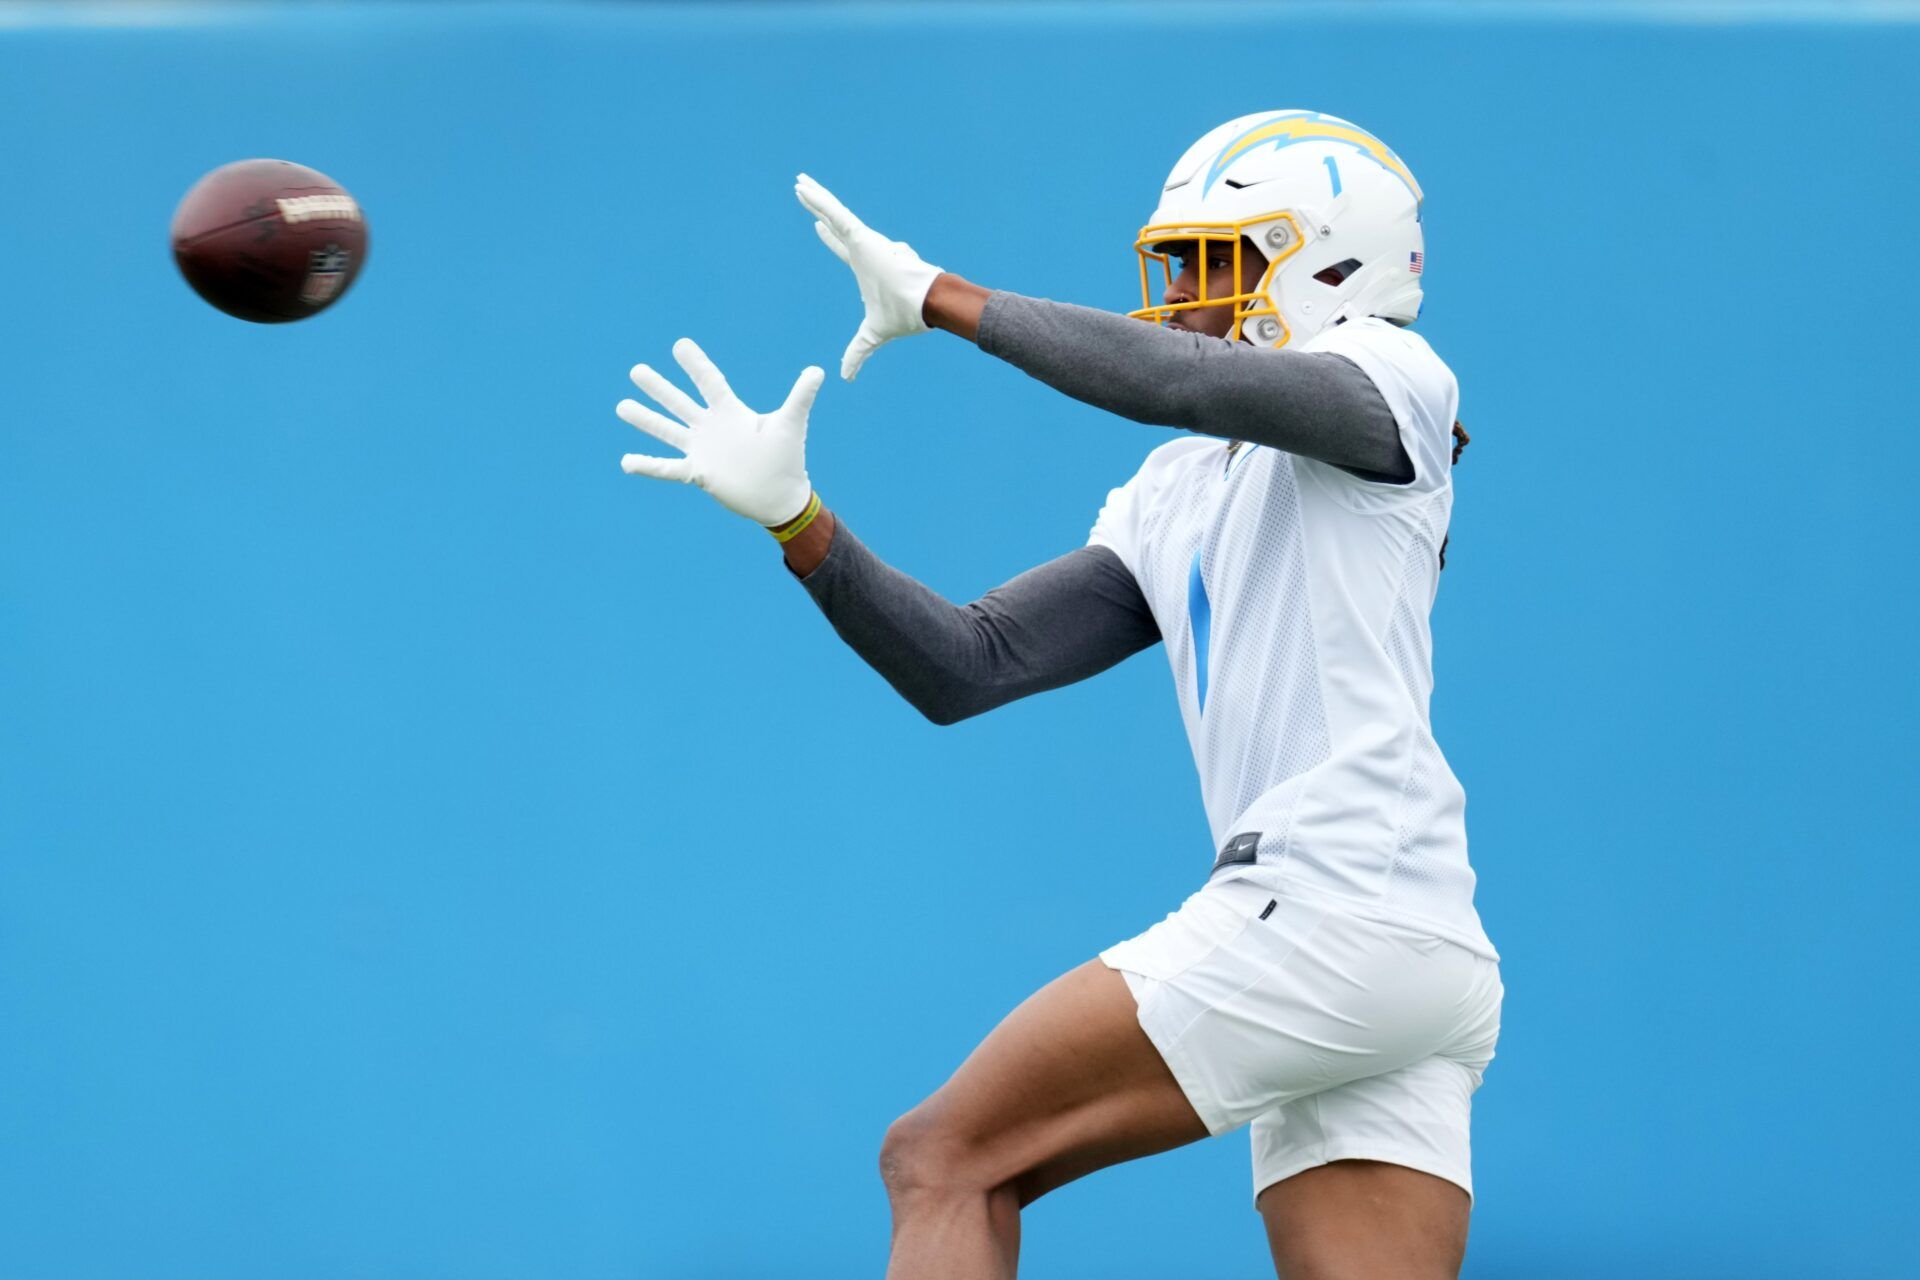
(893, 280)
(752, 463)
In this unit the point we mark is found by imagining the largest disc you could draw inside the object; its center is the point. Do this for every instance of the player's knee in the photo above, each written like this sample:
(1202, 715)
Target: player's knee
(907, 1155)
(920, 1156)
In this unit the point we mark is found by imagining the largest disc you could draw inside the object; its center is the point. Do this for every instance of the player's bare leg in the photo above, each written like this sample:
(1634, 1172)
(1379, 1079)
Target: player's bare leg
(1066, 1084)
(1365, 1220)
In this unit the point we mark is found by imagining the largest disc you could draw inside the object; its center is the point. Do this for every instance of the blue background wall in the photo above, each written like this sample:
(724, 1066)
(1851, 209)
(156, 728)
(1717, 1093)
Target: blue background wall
(425, 852)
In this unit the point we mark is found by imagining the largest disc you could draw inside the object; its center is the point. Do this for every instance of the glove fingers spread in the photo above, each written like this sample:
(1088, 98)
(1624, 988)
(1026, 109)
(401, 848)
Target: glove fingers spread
(800, 400)
(657, 425)
(641, 464)
(856, 355)
(821, 204)
(665, 394)
(706, 376)
(832, 241)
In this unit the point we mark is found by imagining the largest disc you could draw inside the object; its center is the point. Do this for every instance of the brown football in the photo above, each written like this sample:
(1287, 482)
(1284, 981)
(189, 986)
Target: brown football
(269, 240)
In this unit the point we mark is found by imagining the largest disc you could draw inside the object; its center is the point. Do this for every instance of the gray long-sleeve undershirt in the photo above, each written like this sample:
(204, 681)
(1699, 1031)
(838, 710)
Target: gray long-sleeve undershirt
(1313, 403)
(1064, 621)
(1075, 616)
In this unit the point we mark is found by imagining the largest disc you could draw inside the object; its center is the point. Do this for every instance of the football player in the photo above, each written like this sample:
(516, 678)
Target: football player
(1328, 985)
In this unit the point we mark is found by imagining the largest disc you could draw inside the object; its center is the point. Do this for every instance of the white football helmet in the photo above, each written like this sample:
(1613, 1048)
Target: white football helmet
(1336, 213)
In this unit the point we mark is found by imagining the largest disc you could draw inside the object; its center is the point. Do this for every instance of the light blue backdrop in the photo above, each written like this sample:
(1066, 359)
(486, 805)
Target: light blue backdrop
(425, 852)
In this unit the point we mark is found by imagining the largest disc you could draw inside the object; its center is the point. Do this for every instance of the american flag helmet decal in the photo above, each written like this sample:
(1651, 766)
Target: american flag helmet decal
(1418, 262)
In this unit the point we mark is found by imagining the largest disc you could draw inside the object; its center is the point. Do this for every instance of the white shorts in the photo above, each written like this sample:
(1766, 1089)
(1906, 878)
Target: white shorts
(1336, 1038)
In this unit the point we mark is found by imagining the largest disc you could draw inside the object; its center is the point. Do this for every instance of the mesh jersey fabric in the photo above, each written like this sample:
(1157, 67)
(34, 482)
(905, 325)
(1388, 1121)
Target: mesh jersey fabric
(1293, 598)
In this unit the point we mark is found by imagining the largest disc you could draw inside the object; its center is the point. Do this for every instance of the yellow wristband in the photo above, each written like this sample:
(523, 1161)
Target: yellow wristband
(798, 525)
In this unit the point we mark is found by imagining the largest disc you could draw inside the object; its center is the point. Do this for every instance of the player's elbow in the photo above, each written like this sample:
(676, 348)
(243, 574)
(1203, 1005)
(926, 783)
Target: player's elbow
(951, 703)
(946, 711)
(956, 682)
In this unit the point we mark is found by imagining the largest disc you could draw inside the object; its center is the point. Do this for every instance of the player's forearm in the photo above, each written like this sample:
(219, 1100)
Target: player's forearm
(806, 549)
(1062, 622)
(1316, 404)
(955, 304)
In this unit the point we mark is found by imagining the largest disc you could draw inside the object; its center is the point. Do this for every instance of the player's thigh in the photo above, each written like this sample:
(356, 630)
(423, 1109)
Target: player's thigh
(1365, 1220)
(1067, 1083)
(1371, 1178)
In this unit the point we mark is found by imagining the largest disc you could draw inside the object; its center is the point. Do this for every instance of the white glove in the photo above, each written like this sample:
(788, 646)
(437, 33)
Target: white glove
(893, 280)
(752, 463)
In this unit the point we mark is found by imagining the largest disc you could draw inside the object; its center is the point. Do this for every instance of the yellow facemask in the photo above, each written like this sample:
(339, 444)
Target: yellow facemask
(1246, 306)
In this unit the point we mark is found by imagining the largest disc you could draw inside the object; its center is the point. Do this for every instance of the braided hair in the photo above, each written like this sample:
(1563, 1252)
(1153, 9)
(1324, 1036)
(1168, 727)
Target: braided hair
(1460, 441)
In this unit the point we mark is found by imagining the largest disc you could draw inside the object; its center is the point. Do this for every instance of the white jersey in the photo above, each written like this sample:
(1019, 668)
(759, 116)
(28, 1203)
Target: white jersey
(1293, 598)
